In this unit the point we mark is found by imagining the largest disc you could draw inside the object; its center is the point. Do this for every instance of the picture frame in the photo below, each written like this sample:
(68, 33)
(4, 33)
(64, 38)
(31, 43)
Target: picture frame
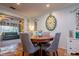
(51, 22)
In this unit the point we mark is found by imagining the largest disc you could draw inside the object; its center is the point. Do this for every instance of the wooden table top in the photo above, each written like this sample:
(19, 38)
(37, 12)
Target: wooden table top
(41, 38)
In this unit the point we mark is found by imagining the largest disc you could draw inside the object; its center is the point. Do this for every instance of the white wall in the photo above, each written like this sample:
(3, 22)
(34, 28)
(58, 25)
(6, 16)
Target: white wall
(25, 24)
(65, 22)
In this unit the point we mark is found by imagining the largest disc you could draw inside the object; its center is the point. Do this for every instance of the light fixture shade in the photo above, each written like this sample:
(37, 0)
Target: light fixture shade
(18, 3)
(48, 5)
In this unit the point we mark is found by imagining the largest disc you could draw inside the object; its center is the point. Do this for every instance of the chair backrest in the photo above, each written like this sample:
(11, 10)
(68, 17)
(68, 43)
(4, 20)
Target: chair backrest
(26, 41)
(54, 44)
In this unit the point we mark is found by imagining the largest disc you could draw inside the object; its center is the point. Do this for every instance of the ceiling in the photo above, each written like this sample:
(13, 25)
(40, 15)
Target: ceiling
(35, 9)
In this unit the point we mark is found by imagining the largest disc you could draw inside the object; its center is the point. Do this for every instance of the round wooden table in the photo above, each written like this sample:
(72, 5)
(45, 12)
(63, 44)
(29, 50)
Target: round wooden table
(40, 40)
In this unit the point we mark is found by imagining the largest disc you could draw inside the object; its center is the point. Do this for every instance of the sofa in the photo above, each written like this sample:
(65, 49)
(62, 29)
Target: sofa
(10, 35)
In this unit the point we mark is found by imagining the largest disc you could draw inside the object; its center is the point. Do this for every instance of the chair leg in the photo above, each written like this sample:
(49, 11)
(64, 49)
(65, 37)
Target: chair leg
(53, 53)
(57, 53)
(23, 53)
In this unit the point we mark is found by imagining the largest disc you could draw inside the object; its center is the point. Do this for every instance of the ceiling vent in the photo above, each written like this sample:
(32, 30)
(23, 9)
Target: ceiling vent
(13, 8)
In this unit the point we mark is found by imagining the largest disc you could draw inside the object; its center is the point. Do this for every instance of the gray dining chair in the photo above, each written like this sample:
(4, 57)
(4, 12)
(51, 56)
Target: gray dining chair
(28, 47)
(53, 47)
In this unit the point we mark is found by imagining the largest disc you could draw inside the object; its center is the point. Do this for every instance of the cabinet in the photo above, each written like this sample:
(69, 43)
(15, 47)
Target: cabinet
(72, 46)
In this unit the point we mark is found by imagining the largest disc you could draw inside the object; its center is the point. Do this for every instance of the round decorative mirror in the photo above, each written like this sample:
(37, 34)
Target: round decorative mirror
(51, 22)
